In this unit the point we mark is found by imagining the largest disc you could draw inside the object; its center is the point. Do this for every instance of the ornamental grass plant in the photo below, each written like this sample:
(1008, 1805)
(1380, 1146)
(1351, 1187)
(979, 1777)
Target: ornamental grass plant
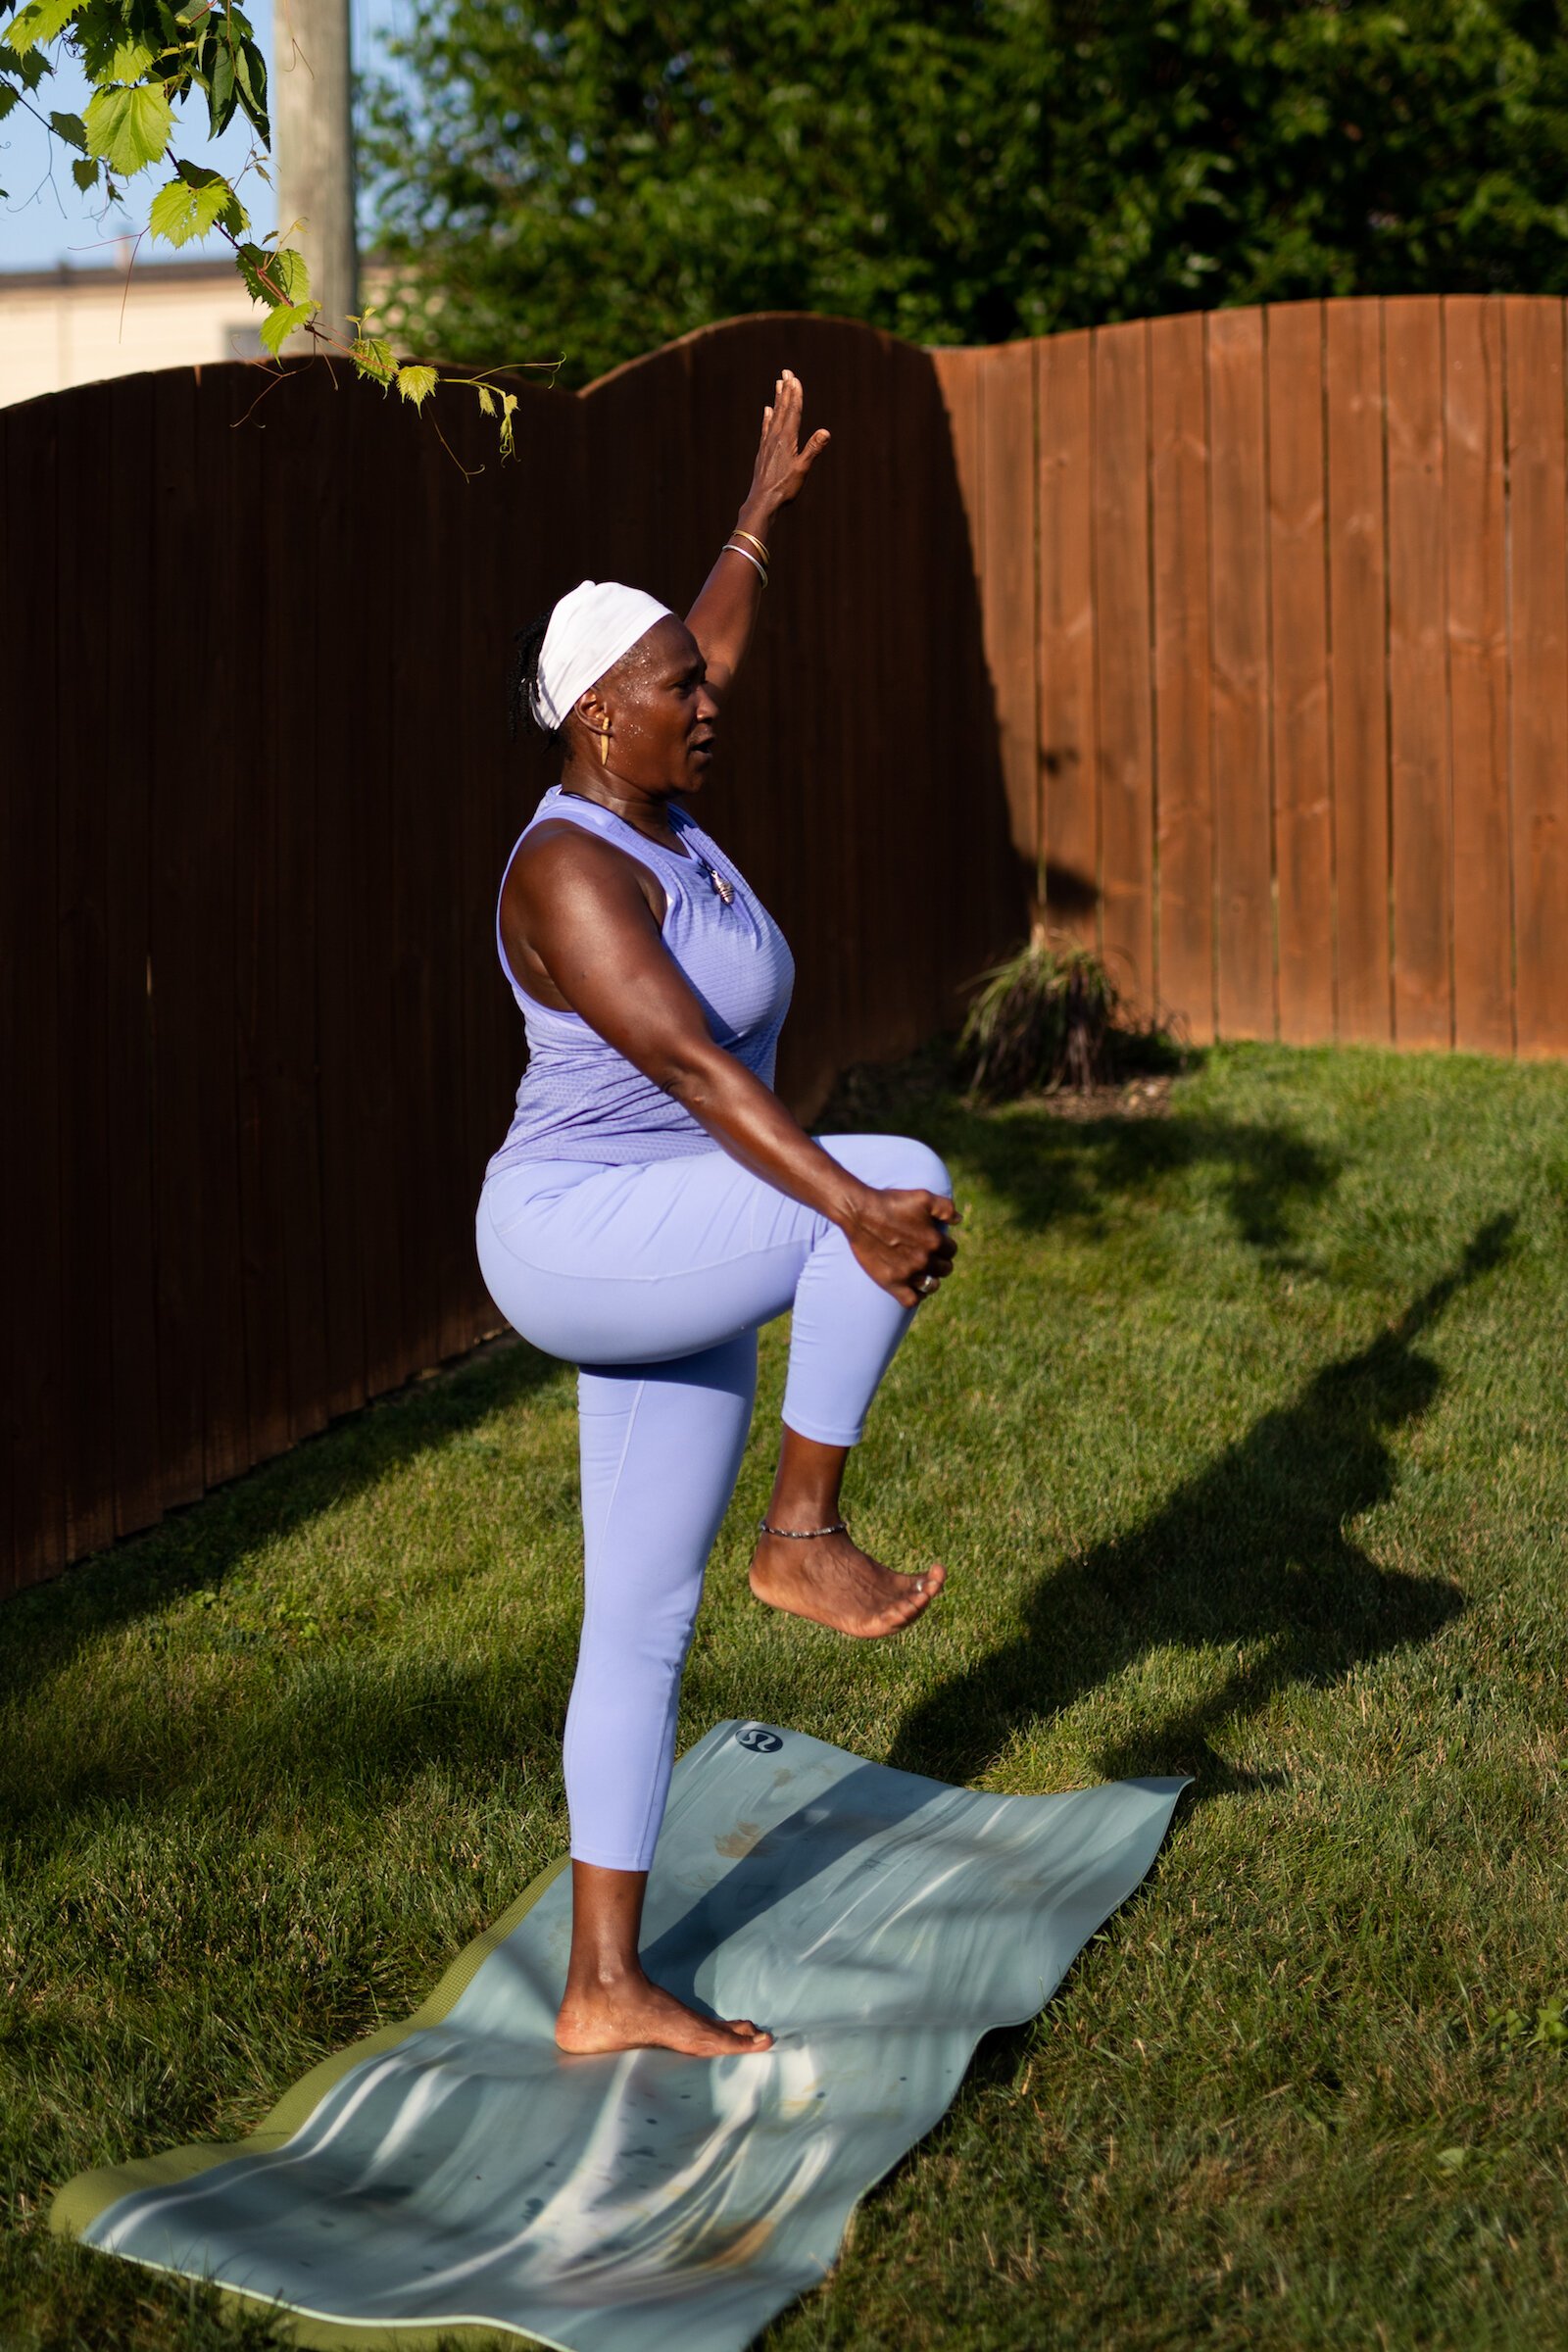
(1050, 1016)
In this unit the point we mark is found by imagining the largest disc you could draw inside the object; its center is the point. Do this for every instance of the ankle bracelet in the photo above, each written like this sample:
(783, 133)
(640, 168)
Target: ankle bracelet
(803, 1535)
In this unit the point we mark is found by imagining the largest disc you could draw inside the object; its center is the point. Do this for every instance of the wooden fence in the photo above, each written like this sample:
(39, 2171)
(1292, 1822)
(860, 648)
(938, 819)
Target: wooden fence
(255, 1045)
(1275, 615)
(1250, 627)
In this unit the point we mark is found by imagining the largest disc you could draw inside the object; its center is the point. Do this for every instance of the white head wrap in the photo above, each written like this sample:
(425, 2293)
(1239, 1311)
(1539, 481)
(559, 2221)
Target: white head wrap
(590, 628)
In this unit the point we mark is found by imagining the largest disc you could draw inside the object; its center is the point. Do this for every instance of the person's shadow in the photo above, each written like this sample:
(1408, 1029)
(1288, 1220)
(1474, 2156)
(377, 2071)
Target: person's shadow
(1250, 1553)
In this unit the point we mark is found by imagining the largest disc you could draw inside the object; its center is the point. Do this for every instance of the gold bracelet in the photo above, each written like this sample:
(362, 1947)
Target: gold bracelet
(733, 547)
(738, 533)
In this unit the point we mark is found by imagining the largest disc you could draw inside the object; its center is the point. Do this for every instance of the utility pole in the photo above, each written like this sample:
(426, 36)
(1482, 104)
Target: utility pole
(312, 149)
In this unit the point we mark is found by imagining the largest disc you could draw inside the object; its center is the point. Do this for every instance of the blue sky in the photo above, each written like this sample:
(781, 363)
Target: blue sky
(44, 218)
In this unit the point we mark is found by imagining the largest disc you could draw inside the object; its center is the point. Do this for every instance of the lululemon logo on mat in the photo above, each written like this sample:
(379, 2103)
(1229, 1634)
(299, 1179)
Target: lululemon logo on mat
(759, 1738)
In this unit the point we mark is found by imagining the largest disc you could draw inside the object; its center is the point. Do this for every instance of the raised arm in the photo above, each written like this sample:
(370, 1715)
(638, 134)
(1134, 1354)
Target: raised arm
(723, 615)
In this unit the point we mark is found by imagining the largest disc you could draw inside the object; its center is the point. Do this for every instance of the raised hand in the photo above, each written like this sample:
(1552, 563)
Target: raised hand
(782, 464)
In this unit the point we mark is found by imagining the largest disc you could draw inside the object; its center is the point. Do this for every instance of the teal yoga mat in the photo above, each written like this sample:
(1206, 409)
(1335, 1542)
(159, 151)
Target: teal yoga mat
(457, 2174)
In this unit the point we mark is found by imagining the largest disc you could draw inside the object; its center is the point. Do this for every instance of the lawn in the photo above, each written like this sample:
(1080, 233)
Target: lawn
(1242, 1433)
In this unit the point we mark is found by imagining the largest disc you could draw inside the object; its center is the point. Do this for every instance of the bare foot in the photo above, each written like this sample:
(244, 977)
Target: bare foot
(834, 1582)
(632, 2014)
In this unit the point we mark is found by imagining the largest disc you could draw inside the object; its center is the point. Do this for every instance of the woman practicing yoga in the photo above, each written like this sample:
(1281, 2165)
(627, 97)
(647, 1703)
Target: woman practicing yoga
(653, 1202)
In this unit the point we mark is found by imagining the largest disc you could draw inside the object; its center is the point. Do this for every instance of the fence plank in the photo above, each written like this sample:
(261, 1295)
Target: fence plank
(1007, 581)
(124, 421)
(1179, 516)
(348, 804)
(1532, 330)
(175, 879)
(373, 910)
(1069, 746)
(30, 882)
(13, 686)
(1124, 723)
(1358, 666)
(87, 1145)
(1418, 719)
(223, 749)
(422, 965)
(1304, 837)
(1478, 673)
(303, 633)
(1238, 523)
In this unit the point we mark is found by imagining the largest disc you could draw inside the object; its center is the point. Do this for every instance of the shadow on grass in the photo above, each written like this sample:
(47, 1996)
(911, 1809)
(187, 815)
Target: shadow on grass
(1055, 1169)
(196, 1547)
(1252, 1550)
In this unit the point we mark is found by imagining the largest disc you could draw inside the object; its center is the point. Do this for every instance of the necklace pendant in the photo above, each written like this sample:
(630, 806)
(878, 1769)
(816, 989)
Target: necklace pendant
(725, 887)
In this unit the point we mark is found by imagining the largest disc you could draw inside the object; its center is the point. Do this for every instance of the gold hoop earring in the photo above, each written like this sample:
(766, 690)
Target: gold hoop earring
(604, 746)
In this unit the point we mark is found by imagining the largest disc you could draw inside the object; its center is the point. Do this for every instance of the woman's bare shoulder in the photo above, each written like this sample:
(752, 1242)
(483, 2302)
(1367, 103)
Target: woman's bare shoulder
(555, 853)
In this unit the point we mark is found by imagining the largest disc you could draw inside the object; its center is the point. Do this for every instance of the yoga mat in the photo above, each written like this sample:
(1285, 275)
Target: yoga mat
(459, 2173)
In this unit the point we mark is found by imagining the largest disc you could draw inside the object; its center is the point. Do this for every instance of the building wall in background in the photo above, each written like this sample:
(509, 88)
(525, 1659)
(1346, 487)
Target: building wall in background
(65, 326)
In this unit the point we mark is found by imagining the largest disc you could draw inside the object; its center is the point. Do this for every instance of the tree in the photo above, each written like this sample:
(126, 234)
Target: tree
(599, 178)
(143, 59)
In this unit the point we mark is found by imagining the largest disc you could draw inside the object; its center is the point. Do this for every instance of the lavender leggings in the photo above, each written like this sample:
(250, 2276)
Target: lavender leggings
(653, 1279)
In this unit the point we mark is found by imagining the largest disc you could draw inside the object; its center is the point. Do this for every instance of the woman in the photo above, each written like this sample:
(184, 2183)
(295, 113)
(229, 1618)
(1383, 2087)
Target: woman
(653, 1202)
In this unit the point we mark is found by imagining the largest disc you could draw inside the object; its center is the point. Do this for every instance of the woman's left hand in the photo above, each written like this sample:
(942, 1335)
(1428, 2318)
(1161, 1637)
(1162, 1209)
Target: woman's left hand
(782, 465)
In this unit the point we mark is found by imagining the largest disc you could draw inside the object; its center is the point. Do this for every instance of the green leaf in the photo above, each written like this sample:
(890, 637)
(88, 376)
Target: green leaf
(219, 64)
(190, 206)
(129, 60)
(509, 401)
(251, 261)
(69, 129)
(487, 400)
(274, 278)
(373, 357)
(250, 74)
(233, 216)
(84, 171)
(39, 21)
(29, 71)
(9, 96)
(129, 129)
(280, 324)
(290, 274)
(417, 383)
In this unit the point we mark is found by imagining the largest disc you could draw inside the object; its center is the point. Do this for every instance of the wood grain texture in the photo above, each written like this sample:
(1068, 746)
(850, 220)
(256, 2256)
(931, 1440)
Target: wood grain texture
(1476, 501)
(226, 459)
(29, 880)
(181, 986)
(1304, 829)
(1011, 625)
(346, 804)
(11, 1389)
(1239, 538)
(1184, 770)
(1358, 666)
(86, 1141)
(1068, 741)
(1420, 802)
(1533, 329)
(126, 421)
(1124, 712)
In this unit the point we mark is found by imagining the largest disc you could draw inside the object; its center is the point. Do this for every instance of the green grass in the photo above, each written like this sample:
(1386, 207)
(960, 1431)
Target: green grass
(1242, 1435)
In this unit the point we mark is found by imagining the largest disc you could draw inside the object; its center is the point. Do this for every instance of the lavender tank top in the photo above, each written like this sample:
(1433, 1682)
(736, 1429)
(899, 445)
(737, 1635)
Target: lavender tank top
(581, 1098)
